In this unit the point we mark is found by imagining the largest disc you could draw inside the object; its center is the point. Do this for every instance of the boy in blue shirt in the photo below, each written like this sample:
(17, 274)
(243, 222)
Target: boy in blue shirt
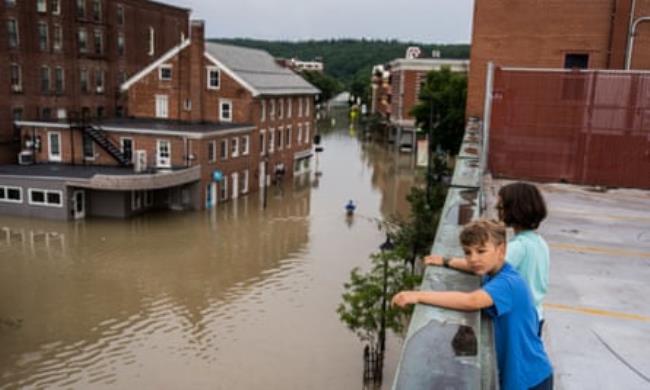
(505, 296)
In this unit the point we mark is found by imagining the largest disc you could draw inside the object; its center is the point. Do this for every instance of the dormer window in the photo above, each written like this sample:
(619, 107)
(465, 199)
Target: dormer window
(165, 72)
(214, 77)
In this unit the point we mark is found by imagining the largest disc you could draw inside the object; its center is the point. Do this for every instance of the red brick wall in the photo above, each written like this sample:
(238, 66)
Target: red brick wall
(540, 33)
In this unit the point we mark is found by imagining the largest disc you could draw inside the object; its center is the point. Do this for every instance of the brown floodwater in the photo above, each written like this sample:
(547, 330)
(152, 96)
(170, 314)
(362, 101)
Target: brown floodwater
(233, 298)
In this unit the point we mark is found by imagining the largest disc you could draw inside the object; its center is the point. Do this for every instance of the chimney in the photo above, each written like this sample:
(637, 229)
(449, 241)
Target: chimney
(197, 74)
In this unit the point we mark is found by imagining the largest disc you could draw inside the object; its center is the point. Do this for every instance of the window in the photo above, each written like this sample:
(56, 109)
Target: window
(51, 198)
(307, 106)
(212, 151)
(41, 6)
(45, 80)
(54, 146)
(576, 61)
(187, 104)
(223, 152)
(244, 182)
(82, 40)
(100, 112)
(12, 32)
(299, 107)
(165, 72)
(271, 140)
(56, 7)
(224, 188)
(245, 145)
(99, 80)
(16, 78)
(17, 114)
(262, 142)
(81, 8)
(88, 147)
(83, 80)
(289, 107)
(234, 147)
(161, 106)
(99, 42)
(120, 14)
(152, 41)
(43, 43)
(127, 148)
(280, 108)
(46, 113)
(120, 44)
(279, 137)
(272, 109)
(299, 138)
(287, 137)
(11, 194)
(214, 78)
(61, 113)
(97, 10)
(307, 133)
(262, 110)
(59, 80)
(58, 37)
(164, 155)
(225, 111)
(10, 3)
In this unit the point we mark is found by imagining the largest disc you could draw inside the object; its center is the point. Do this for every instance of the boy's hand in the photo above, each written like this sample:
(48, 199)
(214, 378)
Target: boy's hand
(405, 298)
(433, 259)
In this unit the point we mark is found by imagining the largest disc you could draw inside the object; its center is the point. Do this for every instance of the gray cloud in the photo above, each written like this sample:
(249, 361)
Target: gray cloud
(441, 21)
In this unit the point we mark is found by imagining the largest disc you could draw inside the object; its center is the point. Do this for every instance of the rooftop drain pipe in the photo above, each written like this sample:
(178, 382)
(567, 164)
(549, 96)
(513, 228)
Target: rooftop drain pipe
(630, 38)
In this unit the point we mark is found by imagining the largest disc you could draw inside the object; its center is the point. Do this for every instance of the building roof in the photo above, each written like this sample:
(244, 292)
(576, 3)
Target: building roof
(62, 171)
(257, 70)
(154, 126)
(426, 64)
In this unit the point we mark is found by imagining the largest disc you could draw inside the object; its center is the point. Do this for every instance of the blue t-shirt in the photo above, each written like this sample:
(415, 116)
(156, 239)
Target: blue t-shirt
(521, 358)
(528, 253)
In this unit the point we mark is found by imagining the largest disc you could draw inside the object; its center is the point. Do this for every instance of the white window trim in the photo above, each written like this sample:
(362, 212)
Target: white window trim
(264, 142)
(7, 200)
(244, 178)
(299, 135)
(17, 32)
(17, 87)
(281, 108)
(234, 145)
(162, 113)
(57, 10)
(62, 79)
(289, 107)
(271, 141)
(169, 151)
(160, 71)
(50, 156)
(209, 69)
(288, 137)
(227, 149)
(299, 107)
(307, 131)
(222, 102)
(38, 9)
(263, 110)
(47, 36)
(247, 145)
(213, 147)
(280, 138)
(223, 188)
(152, 41)
(45, 194)
(272, 109)
(307, 107)
(89, 158)
(57, 46)
(82, 32)
(122, 139)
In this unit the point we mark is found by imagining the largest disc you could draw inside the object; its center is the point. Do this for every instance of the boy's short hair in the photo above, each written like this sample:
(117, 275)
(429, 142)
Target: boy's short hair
(521, 206)
(482, 231)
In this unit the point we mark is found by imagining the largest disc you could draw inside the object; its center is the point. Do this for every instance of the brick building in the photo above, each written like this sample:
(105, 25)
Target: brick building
(61, 57)
(593, 34)
(207, 123)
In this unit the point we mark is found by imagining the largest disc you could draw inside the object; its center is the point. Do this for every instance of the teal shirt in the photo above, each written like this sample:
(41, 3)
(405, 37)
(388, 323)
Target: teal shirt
(528, 253)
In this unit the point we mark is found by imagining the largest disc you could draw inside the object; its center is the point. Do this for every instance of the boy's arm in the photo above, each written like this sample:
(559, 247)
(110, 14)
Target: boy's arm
(457, 300)
(459, 263)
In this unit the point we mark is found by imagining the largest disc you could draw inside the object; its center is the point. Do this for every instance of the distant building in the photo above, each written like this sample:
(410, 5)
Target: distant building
(207, 123)
(299, 66)
(61, 57)
(595, 34)
(381, 91)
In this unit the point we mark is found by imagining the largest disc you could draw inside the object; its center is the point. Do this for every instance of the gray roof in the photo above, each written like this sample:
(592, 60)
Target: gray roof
(258, 69)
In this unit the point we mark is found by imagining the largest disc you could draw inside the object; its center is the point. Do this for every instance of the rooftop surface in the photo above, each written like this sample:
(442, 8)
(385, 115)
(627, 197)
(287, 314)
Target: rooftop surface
(147, 124)
(65, 171)
(597, 310)
(260, 70)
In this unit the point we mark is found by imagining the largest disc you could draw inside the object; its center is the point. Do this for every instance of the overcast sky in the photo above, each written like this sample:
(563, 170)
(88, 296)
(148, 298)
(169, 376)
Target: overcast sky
(427, 21)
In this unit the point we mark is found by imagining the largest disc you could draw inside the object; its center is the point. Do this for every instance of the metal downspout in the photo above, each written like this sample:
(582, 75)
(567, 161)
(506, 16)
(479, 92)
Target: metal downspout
(628, 60)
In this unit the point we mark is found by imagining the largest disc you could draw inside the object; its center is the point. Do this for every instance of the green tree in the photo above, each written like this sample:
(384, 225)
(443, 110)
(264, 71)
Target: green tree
(328, 85)
(441, 108)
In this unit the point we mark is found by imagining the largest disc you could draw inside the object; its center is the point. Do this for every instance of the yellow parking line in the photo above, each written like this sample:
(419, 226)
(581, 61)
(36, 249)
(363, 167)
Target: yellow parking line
(598, 250)
(597, 312)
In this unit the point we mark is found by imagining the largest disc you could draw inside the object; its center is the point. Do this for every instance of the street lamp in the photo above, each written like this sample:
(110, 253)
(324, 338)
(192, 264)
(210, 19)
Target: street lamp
(386, 246)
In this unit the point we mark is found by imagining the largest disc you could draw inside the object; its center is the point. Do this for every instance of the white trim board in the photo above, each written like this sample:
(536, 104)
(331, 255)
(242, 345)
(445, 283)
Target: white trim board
(151, 67)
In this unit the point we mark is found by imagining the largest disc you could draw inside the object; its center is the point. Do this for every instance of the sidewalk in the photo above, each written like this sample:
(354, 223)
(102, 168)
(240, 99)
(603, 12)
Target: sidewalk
(597, 309)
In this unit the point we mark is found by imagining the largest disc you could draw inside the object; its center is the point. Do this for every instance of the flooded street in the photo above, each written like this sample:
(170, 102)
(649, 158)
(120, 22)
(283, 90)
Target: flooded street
(233, 298)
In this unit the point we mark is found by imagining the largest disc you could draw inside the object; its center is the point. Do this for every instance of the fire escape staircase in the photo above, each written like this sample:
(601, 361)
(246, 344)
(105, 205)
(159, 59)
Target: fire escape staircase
(97, 135)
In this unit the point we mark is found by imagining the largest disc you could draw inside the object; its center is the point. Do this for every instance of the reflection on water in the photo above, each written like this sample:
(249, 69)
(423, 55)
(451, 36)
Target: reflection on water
(235, 298)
